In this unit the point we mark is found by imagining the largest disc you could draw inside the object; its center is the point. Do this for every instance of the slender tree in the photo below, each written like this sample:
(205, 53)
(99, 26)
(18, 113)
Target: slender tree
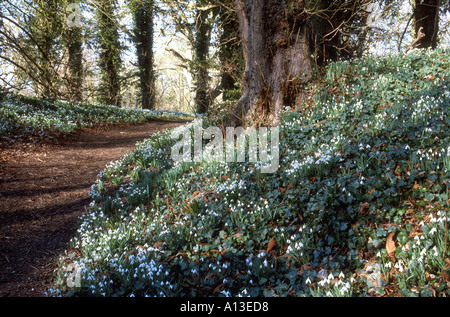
(39, 46)
(143, 38)
(194, 20)
(74, 45)
(109, 55)
(201, 56)
(230, 52)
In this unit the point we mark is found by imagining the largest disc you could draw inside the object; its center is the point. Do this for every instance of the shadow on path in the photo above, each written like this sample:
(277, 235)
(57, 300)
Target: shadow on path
(42, 194)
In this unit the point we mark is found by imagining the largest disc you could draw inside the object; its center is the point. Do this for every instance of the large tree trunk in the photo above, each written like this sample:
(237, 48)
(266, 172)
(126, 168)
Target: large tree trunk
(426, 15)
(277, 57)
(143, 37)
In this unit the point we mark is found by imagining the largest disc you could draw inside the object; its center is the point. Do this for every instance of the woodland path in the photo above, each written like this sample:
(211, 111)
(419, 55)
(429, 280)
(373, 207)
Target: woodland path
(43, 191)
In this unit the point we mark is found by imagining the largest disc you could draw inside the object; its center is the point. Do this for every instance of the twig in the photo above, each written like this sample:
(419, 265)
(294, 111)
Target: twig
(420, 35)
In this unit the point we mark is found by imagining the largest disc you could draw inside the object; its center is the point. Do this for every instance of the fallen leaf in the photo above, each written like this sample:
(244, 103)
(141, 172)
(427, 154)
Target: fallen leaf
(390, 244)
(272, 244)
(218, 288)
(364, 208)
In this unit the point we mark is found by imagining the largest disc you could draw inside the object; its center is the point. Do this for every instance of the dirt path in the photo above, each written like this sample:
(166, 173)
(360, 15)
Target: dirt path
(43, 191)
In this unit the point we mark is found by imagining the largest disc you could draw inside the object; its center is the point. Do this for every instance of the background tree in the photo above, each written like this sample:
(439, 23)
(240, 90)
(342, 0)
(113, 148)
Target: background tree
(230, 51)
(109, 52)
(335, 28)
(73, 40)
(202, 35)
(143, 38)
(426, 16)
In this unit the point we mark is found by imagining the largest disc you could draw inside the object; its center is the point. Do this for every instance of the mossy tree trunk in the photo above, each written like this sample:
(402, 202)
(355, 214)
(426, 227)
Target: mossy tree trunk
(109, 55)
(143, 38)
(201, 57)
(74, 46)
(230, 53)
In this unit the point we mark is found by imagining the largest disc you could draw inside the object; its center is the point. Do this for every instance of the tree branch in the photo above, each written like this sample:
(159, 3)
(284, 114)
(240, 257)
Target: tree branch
(420, 35)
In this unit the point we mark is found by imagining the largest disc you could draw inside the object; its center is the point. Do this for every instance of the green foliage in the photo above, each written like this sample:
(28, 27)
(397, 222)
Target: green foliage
(30, 117)
(369, 159)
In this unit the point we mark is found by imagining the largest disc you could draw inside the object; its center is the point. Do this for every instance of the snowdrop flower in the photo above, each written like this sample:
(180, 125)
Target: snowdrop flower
(423, 252)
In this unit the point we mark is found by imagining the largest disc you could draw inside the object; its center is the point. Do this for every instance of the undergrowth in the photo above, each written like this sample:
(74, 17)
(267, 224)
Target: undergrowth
(358, 207)
(34, 119)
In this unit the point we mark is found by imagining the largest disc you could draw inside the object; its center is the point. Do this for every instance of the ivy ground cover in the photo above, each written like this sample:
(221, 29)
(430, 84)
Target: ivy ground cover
(358, 207)
(31, 118)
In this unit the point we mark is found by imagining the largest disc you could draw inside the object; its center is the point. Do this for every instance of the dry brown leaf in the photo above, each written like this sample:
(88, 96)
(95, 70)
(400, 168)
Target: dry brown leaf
(218, 288)
(272, 244)
(365, 208)
(390, 244)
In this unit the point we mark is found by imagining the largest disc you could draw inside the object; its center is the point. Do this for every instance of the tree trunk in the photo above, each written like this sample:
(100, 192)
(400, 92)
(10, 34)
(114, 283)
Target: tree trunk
(109, 60)
(75, 63)
(277, 57)
(143, 37)
(229, 50)
(426, 15)
(201, 46)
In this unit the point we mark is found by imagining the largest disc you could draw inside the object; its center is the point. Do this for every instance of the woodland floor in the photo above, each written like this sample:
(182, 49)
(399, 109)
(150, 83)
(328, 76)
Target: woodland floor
(43, 190)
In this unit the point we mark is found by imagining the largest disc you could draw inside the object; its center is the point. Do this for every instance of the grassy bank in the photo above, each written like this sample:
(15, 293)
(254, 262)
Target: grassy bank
(358, 207)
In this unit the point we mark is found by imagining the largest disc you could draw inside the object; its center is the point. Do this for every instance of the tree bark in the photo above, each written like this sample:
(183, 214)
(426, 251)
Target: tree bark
(201, 47)
(277, 57)
(110, 60)
(143, 37)
(75, 63)
(426, 15)
(229, 53)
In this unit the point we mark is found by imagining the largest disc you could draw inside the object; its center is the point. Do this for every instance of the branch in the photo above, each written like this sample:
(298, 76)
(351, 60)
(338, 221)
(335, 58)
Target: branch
(178, 55)
(420, 35)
